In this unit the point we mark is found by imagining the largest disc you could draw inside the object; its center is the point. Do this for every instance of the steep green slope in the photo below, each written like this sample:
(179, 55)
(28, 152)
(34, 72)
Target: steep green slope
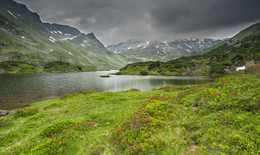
(24, 37)
(252, 30)
(221, 59)
(216, 118)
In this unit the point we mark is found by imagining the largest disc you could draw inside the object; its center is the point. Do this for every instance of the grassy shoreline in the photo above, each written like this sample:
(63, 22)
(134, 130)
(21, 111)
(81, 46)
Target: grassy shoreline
(20, 66)
(219, 117)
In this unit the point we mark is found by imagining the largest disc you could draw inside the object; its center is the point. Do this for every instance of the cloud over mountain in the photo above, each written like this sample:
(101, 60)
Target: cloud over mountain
(116, 20)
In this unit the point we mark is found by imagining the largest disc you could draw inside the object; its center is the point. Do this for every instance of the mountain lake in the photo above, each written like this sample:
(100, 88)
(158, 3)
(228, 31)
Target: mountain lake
(16, 90)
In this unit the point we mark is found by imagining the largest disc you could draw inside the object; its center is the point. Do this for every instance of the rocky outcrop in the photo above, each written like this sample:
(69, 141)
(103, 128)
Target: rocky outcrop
(4, 112)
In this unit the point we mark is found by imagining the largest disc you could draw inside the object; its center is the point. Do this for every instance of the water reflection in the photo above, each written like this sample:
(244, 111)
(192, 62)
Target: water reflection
(18, 89)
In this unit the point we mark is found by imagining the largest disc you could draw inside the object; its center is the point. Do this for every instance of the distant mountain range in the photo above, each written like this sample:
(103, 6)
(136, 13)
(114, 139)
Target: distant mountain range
(224, 58)
(24, 37)
(160, 51)
(28, 45)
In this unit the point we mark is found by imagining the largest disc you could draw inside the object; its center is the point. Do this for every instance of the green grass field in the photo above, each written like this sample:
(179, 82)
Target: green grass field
(221, 117)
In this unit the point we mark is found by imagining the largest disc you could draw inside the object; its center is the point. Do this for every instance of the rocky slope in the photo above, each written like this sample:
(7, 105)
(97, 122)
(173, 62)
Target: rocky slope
(23, 36)
(160, 51)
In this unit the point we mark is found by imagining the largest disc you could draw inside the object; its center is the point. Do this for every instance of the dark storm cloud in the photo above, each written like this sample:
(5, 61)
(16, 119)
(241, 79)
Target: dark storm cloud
(118, 20)
(186, 16)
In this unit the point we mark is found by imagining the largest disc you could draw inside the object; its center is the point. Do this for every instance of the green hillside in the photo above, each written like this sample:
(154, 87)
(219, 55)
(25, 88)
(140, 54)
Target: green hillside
(23, 37)
(224, 58)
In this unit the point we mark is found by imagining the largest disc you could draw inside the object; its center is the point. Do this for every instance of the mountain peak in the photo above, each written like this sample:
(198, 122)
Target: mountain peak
(63, 28)
(161, 50)
(91, 35)
(16, 9)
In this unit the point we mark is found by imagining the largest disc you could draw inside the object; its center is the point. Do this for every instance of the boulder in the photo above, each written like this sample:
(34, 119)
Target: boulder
(4, 112)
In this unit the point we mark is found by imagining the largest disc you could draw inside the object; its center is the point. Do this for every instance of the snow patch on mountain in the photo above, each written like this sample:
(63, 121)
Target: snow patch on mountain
(11, 14)
(179, 46)
(52, 39)
(168, 50)
(188, 45)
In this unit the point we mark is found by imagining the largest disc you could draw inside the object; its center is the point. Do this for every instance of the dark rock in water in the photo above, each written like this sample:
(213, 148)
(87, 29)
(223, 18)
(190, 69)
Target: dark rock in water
(4, 112)
(2, 70)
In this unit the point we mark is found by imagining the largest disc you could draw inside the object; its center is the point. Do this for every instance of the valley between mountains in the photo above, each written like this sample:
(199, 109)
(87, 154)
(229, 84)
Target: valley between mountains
(217, 117)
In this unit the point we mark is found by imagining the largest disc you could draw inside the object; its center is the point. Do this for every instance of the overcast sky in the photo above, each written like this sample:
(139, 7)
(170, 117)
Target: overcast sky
(114, 21)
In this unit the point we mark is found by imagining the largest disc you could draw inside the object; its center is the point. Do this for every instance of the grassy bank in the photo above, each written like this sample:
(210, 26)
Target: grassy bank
(21, 66)
(219, 117)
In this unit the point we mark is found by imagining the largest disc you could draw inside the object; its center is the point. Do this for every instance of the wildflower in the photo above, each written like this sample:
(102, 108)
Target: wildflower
(132, 152)
(115, 146)
(119, 139)
(171, 104)
(150, 133)
(129, 147)
(149, 123)
(142, 146)
(125, 141)
(61, 142)
(178, 107)
(57, 141)
(8, 133)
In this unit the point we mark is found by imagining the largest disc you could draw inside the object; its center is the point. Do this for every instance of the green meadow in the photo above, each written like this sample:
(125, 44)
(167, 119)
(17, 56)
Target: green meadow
(221, 117)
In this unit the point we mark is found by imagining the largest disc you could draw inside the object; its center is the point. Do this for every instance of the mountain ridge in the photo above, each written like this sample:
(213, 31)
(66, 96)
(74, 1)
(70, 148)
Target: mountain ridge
(221, 59)
(24, 37)
(161, 50)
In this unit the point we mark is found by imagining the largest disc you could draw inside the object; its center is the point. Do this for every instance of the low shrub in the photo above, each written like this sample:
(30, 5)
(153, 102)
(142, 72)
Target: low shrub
(144, 73)
(25, 112)
(105, 76)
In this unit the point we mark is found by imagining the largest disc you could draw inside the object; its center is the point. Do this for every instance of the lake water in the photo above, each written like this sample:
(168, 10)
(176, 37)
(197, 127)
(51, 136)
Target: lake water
(19, 89)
